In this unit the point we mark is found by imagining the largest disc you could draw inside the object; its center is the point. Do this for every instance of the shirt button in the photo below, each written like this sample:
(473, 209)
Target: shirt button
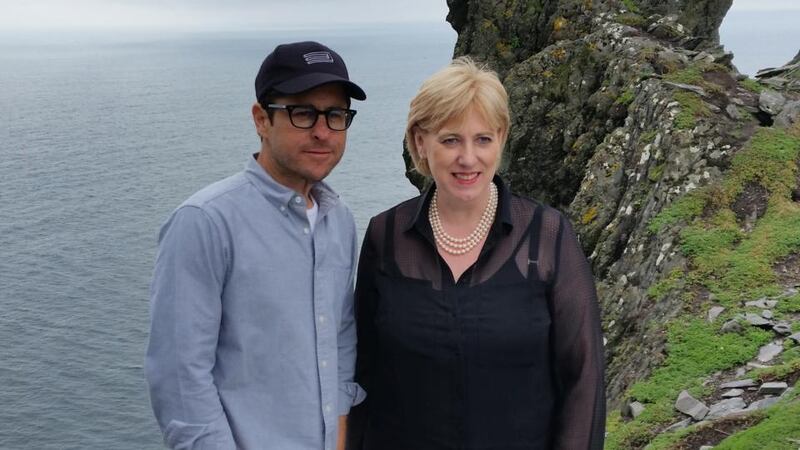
(298, 199)
(324, 363)
(306, 230)
(328, 408)
(283, 208)
(321, 318)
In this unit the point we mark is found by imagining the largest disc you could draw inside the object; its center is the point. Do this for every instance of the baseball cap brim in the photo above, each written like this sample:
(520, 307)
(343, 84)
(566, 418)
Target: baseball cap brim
(312, 80)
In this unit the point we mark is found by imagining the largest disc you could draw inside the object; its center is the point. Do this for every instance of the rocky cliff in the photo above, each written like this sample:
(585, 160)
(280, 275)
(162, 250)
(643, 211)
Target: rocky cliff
(680, 175)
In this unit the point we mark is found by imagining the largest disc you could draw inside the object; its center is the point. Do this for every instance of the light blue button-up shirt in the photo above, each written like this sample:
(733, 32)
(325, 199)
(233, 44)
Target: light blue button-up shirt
(252, 341)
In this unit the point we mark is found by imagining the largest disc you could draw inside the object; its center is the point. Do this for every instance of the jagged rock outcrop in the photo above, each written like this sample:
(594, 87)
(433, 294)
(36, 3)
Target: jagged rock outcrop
(786, 77)
(629, 116)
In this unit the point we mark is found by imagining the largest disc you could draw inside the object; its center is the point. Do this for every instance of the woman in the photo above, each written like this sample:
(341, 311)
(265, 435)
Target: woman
(478, 324)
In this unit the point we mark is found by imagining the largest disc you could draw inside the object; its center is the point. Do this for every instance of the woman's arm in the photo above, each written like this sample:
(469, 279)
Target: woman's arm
(577, 348)
(365, 298)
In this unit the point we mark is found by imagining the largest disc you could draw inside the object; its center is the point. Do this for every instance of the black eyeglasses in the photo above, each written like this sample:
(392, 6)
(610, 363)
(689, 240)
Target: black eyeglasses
(305, 116)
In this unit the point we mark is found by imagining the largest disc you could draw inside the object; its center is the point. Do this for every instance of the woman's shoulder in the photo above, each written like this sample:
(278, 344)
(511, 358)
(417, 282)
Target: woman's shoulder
(407, 209)
(397, 216)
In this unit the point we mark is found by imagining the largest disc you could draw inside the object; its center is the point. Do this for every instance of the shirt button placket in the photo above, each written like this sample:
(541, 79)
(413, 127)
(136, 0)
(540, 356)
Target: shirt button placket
(322, 350)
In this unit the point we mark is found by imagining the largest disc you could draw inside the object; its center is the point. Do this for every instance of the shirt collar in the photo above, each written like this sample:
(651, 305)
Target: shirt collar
(284, 198)
(420, 219)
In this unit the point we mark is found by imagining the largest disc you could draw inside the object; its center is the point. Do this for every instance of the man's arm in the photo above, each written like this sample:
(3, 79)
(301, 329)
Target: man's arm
(350, 393)
(185, 317)
(342, 439)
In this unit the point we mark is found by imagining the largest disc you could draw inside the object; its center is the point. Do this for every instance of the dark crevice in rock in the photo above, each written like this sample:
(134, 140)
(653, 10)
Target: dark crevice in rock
(751, 204)
(764, 119)
(722, 79)
(787, 270)
(796, 190)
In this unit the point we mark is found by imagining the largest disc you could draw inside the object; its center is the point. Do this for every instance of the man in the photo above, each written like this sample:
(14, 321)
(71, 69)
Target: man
(252, 342)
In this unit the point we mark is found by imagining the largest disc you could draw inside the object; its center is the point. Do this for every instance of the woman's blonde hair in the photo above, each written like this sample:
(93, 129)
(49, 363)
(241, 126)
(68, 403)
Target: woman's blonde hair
(449, 94)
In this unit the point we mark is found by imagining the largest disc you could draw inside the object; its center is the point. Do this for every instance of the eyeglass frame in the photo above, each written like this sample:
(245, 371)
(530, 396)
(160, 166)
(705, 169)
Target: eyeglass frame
(350, 114)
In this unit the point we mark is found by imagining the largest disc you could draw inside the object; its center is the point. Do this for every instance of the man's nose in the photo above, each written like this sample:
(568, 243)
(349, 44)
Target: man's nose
(320, 129)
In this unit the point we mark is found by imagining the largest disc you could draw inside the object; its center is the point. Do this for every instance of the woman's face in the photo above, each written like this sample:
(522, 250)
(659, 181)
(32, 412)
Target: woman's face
(463, 156)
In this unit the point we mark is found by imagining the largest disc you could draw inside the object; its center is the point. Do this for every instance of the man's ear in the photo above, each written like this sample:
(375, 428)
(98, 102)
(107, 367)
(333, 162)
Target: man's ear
(260, 119)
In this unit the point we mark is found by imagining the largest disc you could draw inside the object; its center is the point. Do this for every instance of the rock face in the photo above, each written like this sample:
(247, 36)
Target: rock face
(786, 77)
(622, 111)
(567, 65)
(620, 108)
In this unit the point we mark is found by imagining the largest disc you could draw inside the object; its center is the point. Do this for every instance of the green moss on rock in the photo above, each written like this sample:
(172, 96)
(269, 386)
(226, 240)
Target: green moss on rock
(752, 85)
(626, 98)
(664, 286)
(631, 19)
(684, 208)
(692, 107)
(631, 6)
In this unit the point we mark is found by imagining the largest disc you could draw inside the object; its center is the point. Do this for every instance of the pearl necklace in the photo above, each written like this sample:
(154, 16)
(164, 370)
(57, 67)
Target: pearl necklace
(459, 246)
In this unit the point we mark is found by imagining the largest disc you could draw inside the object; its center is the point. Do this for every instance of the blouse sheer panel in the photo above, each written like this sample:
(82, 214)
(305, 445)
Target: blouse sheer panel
(577, 347)
(413, 255)
(369, 263)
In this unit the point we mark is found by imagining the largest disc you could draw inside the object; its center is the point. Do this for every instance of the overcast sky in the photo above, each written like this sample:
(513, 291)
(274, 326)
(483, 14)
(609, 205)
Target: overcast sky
(213, 14)
(766, 5)
(242, 14)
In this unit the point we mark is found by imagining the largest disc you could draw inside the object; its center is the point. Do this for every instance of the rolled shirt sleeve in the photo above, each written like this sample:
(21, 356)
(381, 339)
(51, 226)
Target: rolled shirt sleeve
(186, 312)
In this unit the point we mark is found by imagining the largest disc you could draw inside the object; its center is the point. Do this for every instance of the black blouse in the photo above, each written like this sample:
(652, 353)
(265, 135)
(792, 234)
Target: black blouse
(508, 357)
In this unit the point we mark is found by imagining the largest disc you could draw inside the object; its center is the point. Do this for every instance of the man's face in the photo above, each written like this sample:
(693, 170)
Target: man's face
(297, 157)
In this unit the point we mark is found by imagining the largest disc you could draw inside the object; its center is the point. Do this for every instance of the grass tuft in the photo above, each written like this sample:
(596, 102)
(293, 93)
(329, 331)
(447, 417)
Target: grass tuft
(683, 209)
(626, 98)
(788, 305)
(631, 6)
(631, 19)
(692, 107)
(752, 85)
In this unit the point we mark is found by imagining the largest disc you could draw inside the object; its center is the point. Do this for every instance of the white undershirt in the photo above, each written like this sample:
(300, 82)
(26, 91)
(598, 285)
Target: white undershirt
(312, 214)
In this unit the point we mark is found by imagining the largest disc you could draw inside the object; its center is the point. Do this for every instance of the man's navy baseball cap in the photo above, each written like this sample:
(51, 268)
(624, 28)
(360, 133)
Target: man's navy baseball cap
(300, 66)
